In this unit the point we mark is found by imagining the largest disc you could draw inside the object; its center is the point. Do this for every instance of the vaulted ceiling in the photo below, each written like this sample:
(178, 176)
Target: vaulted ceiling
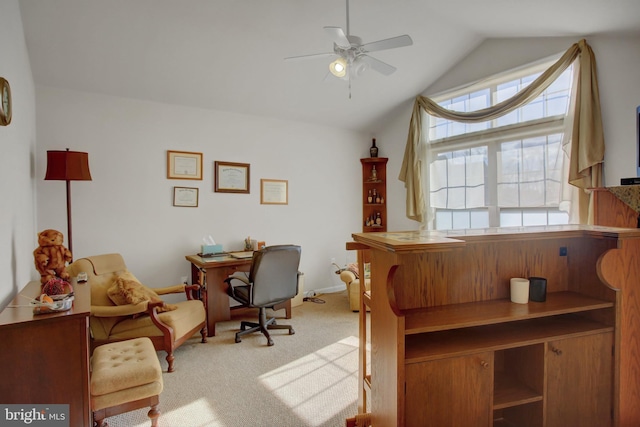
(229, 54)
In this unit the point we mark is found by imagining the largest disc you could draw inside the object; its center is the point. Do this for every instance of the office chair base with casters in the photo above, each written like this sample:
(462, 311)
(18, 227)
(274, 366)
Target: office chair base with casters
(264, 325)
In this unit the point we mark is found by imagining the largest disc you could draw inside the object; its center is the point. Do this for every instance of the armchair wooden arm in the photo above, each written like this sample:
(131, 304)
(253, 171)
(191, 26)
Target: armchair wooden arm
(119, 310)
(191, 291)
(176, 289)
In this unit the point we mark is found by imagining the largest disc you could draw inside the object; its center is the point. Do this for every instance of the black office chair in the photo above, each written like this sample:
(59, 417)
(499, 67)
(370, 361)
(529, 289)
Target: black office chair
(273, 279)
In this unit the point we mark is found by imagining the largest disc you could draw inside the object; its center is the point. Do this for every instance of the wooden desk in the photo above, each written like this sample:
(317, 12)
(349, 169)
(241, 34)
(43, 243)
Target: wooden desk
(45, 357)
(211, 273)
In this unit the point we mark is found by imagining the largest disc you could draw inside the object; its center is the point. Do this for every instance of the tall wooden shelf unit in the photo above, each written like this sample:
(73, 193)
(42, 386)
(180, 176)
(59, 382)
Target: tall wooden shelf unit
(374, 185)
(448, 348)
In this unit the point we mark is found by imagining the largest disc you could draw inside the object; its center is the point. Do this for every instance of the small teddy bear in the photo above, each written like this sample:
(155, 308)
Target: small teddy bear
(51, 257)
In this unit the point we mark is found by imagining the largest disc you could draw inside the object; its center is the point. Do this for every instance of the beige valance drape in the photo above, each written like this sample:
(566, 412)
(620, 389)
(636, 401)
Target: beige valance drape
(586, 140)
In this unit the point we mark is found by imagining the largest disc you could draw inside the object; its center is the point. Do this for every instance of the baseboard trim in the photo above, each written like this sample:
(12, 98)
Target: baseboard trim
(329, 290)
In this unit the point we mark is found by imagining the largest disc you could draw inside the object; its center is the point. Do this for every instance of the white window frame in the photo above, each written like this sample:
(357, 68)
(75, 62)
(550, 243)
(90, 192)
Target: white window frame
(492, 137)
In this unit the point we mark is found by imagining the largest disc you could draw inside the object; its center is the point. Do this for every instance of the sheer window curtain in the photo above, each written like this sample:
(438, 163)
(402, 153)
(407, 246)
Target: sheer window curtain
(583, 140)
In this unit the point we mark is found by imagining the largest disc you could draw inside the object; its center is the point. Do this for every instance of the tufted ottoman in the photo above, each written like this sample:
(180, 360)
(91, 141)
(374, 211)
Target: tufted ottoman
(125, 375)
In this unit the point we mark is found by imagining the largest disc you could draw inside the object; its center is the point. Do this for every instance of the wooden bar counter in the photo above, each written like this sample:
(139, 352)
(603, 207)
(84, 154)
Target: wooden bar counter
(449, 348)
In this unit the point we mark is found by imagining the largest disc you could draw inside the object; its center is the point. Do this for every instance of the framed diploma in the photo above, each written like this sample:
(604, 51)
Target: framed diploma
(274, 192)
(231, 177)
(184, 165)
(185, 197)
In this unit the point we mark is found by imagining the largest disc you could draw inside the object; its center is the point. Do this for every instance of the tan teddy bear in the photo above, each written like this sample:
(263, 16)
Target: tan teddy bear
(51, 257)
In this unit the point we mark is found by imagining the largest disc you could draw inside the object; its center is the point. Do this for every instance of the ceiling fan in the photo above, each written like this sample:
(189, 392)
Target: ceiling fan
(353, 59)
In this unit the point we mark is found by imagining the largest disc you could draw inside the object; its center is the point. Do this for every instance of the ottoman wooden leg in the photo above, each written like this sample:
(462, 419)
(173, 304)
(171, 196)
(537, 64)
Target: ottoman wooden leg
(99, 419)
(154, 413)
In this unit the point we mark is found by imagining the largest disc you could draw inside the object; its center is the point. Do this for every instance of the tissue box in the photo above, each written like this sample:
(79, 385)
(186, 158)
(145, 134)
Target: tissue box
(211, 249)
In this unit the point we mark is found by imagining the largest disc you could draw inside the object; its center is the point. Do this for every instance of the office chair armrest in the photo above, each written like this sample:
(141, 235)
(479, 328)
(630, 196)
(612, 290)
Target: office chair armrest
(244, 280)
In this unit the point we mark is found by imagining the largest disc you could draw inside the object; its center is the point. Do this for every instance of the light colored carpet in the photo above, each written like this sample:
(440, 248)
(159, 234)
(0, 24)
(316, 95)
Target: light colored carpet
(305, 379)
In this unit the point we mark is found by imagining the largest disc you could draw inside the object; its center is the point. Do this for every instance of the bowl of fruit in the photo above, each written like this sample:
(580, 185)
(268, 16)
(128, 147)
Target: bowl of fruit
(57, 289)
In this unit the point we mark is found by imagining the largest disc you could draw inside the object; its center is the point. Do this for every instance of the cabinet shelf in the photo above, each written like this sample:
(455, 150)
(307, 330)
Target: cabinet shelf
(373, 228)
(497, 311)
(510, 392)
(469, 340)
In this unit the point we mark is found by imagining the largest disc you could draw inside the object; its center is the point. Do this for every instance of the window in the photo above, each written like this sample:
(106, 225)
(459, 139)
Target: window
(503, 172)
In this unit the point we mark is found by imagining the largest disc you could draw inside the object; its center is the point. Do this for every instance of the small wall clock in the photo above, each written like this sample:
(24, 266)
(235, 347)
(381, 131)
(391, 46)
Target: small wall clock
(5, 102)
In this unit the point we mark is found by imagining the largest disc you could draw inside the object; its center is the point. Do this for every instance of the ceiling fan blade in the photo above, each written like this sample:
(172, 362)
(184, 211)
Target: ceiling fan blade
(311, 56)
(391, 43)
(338, 36)
(376, 64)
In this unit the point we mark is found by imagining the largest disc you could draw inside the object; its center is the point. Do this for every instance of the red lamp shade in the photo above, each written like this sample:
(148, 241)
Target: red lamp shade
(67, 166)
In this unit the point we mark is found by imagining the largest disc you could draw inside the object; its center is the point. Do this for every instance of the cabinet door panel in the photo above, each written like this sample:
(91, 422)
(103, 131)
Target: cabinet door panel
(450, 392)
(579, 381)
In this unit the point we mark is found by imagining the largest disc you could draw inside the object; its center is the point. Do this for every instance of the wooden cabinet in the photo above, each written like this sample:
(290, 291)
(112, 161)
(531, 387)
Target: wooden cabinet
(374, 194)
(463, 380)
(45, 357)
(449, 348)
(579, 381)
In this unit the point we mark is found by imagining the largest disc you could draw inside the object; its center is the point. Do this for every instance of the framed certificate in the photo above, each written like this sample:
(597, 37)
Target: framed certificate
(185, 197)
(274, 192)
(231, 177)
(184, 165)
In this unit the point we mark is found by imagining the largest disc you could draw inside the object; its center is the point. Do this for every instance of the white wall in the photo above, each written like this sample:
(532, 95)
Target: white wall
(127, 208)
(618, 65)
(17, 161)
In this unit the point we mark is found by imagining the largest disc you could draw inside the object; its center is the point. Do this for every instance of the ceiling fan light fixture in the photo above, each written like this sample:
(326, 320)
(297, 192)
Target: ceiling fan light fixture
(338, 67)
(358, 67)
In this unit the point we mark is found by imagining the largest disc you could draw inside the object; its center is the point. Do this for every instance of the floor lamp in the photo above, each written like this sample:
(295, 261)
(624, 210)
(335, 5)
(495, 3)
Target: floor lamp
(68, 166)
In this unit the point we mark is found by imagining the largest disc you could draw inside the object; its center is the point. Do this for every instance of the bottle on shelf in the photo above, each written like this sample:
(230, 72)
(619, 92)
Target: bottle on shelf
(373, 151)
(369, 197)
(374, 174)
(378, 198)
(378, 219)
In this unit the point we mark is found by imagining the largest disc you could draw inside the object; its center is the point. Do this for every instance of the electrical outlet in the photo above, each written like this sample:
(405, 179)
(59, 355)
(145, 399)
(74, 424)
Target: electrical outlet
(184, 279)
(563, 251)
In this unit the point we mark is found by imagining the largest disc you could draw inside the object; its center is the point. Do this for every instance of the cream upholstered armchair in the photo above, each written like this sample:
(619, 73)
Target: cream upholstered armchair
(351, 278)
(117, 322)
